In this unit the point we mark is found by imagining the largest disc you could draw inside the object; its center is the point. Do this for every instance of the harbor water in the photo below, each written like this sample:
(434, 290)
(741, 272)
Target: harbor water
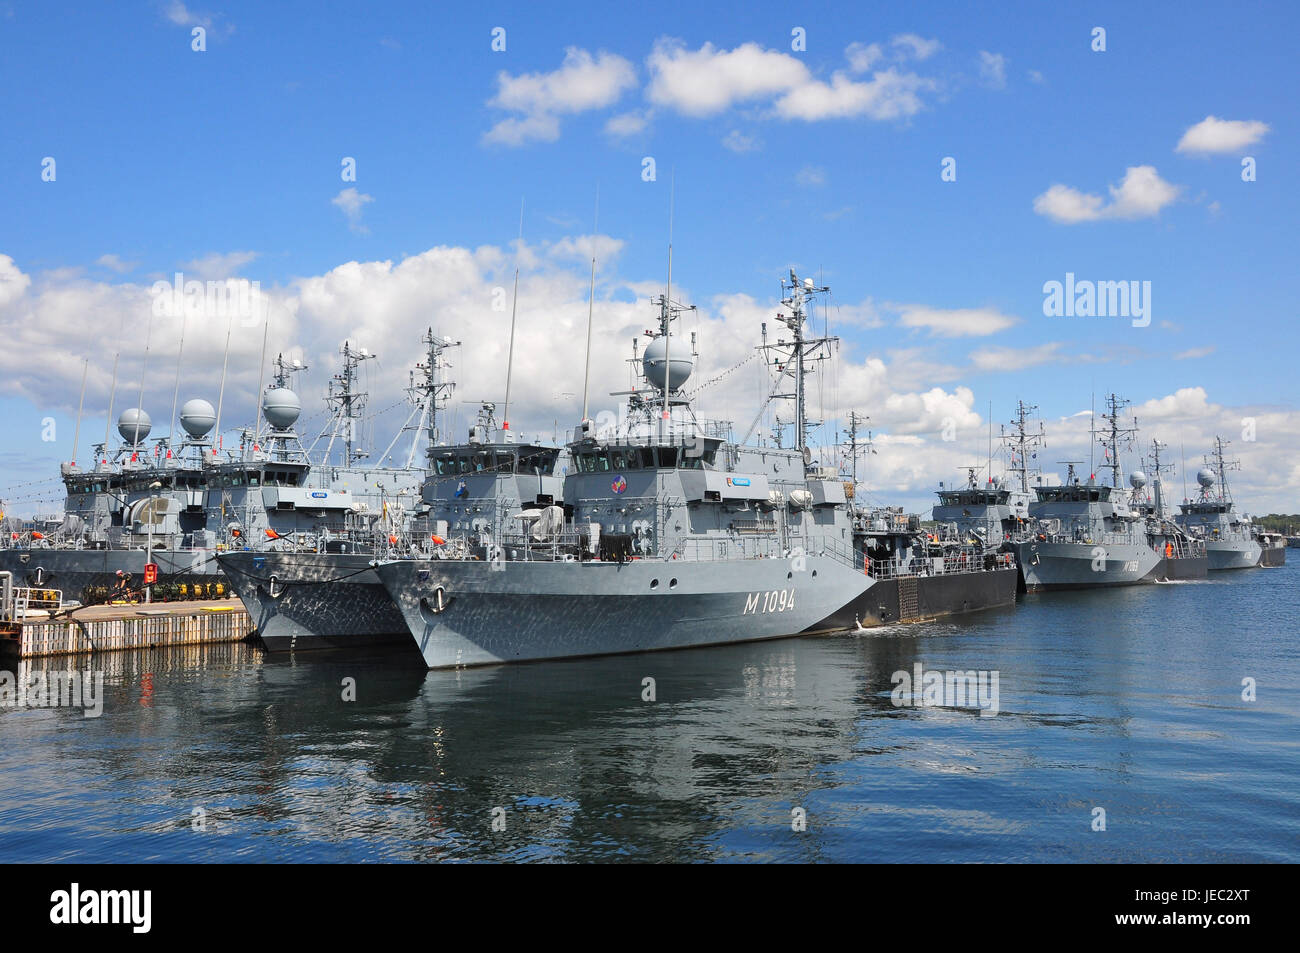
(1123, 732)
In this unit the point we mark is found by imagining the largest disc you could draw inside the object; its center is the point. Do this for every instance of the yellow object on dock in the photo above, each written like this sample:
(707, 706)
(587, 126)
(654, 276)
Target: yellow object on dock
(111, 628)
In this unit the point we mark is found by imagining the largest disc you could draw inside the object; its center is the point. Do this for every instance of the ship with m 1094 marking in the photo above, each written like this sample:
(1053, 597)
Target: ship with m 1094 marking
(678, 537)
(670, 535)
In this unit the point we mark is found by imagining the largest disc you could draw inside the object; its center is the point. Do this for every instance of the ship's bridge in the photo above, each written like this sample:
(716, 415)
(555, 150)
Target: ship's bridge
(1074, 493)
(493, 458)
(974, 497)
(279, 473)
(669, 453)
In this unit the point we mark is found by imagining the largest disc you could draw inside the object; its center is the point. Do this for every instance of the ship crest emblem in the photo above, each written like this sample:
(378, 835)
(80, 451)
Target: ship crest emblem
(462, 490)
(619, 484)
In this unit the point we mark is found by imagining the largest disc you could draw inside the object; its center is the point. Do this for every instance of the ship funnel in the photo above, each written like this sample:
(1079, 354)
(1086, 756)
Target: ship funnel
(134, 425)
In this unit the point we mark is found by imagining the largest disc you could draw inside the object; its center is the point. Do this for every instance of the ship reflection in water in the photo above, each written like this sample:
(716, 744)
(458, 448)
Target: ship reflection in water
(1127, 700)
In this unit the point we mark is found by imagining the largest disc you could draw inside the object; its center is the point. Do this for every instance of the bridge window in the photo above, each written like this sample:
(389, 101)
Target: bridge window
(667, 457)
(543, 463)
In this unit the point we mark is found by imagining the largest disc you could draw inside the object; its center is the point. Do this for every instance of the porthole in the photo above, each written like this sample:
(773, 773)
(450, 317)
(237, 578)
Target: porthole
(672, 583)
(654, 583)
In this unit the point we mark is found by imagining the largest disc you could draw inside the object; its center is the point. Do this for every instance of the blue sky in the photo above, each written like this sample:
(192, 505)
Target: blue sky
(226, 162)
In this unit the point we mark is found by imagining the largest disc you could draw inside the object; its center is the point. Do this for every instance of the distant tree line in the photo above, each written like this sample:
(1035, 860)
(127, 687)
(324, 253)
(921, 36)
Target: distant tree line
(1280, 523)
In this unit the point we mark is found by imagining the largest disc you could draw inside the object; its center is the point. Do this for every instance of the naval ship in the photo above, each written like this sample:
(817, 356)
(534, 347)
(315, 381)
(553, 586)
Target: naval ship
(1182, 556)
(678, 537)
(135, 506)
(1087, 534)
(318, 596)
(1231, 540)
(178, 506)
(995, 515)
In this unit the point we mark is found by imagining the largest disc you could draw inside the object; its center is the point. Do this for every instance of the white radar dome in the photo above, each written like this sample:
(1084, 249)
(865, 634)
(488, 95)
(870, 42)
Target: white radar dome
(1137, 479)
(281, 407)
(652, 362)
(198, 417)
(134, 425)
(1205, 477)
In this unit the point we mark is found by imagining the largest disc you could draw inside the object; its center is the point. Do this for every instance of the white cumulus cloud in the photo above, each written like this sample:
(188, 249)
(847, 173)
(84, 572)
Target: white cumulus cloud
(1141, 194)
(1214, 135)
(709, 80)
(582, 83)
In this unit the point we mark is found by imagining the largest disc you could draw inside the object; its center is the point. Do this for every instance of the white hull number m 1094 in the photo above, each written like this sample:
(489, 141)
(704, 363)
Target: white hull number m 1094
(777, 600)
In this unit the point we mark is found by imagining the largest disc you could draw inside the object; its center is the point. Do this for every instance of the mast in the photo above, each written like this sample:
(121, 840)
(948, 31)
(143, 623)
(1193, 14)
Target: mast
(279, 442)
(514, 302)
(176, 391)
(112, 396)
(221, 394)
(144, 367)
(1021, 441)
(591, 304)
(1113, 434)
(1221, 468)
(1158, 470)
(990, 469)
(801, 350)
(76, 435)
(436, 390)
(854, 419)
(348, 402)
(261, 376)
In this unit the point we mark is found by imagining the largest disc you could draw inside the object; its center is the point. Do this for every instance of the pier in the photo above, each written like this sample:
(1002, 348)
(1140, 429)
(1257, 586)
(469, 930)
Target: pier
(34, 623)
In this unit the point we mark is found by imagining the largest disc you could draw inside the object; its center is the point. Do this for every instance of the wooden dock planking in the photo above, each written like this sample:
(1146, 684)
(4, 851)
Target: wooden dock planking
(113, 628)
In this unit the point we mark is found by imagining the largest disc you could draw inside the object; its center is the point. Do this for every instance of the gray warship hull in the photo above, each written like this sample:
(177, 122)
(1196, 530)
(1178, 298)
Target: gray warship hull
(305, 601)
(1069, 565)
(1232, 554)
(85, 574)
(464, 613)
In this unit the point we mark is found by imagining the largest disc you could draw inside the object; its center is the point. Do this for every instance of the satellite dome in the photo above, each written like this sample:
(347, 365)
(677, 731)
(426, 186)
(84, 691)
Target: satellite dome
(1137, 479)
(281, 407)
(134, 425)
(652, 362)
(198, 417)
(1205, 477)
